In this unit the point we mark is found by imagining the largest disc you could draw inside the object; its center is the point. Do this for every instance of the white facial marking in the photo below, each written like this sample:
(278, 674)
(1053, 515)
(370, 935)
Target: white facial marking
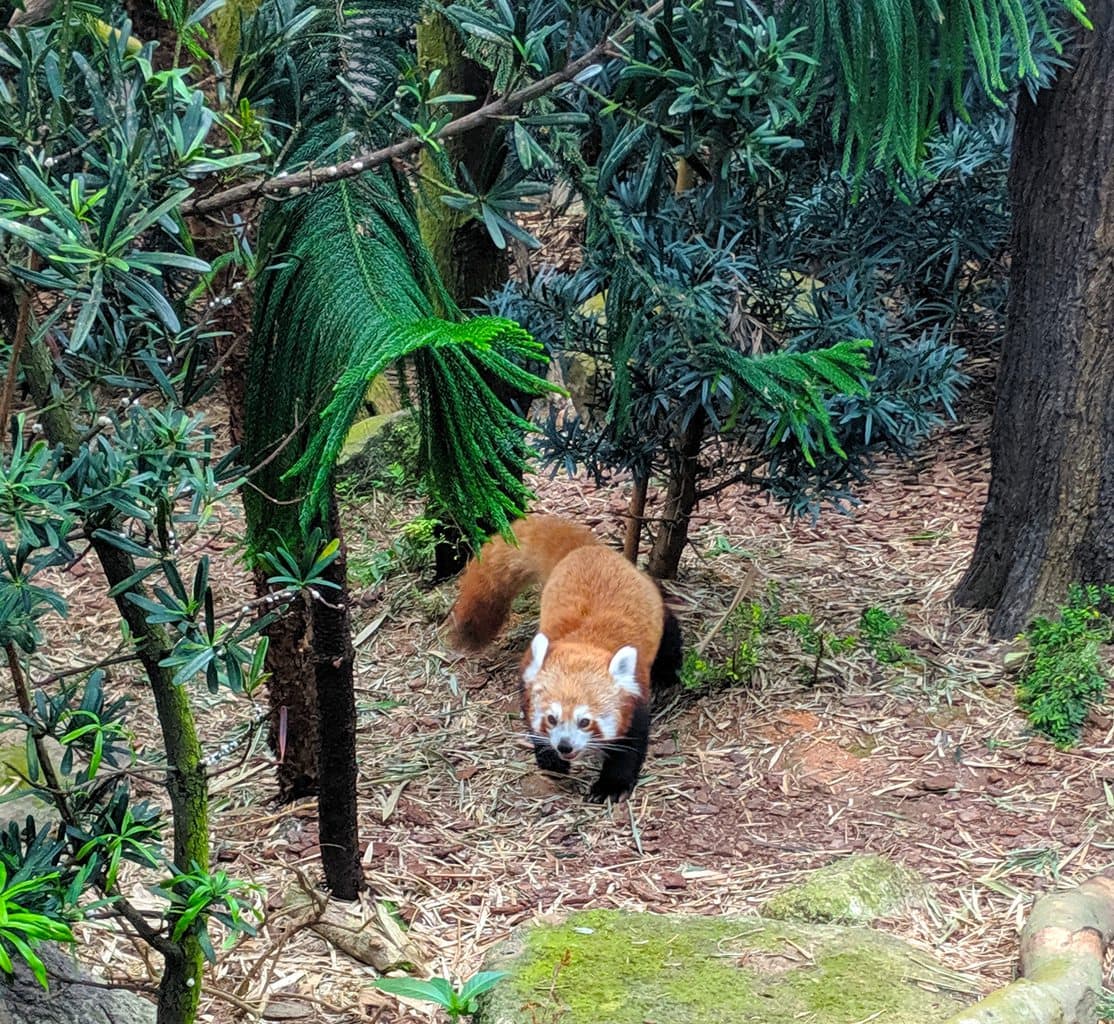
(622, 670)
(568, 735)
(608, 725)
(538, 647)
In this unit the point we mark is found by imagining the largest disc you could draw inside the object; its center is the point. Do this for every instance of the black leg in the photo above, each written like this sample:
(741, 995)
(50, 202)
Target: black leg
(623, 763)
(549, 760)
(667, 663)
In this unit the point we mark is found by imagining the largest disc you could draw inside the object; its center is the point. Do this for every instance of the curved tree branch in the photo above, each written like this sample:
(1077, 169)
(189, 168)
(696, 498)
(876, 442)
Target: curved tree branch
(1063, 945)
(370, 159)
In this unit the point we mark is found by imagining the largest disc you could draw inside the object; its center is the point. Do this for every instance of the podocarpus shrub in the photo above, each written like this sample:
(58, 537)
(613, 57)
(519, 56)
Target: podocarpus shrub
(720, 233)
(108, 460)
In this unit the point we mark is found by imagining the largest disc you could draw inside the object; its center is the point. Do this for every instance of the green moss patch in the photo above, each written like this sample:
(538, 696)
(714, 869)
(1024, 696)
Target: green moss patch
(609, 967)
(380, 450)
(854, 890)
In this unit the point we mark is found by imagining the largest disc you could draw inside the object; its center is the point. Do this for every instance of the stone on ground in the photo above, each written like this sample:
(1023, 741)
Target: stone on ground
(611, 967)
(377, 445)
(854, 890)
(23, 1001)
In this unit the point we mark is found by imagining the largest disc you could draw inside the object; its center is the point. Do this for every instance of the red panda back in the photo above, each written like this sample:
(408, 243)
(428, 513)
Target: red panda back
(501, 571)
(595, 597)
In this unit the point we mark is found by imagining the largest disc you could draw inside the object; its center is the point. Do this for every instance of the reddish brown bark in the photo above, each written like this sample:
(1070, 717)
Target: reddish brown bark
(636, 514)
(680, 501)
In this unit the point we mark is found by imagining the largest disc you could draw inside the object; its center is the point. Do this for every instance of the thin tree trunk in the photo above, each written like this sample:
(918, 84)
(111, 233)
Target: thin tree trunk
(680, 501)
(1049, 516)
(636, 511)
(186, 782)
(338, 829)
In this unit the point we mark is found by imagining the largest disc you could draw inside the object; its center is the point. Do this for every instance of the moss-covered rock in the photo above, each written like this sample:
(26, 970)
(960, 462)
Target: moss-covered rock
(854, 890)
(381, 451)
(609, 967)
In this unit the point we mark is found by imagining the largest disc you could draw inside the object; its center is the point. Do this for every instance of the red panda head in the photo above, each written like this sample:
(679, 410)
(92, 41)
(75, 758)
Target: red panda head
(578, 696)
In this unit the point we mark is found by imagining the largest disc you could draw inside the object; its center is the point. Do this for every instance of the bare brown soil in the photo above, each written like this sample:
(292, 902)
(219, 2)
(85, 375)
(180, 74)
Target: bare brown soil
(744, 788)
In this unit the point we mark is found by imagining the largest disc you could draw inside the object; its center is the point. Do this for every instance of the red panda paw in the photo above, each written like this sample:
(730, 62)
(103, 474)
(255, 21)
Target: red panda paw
(608, 789)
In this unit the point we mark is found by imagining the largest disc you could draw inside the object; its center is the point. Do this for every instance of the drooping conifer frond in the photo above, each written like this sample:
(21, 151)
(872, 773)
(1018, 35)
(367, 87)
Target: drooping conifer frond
(351, 289)
(896, 64)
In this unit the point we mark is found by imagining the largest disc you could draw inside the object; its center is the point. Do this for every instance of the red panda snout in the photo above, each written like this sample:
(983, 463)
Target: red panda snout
(571, 730)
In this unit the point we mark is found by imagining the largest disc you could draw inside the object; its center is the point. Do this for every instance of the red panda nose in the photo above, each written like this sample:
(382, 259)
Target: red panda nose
(564, 747)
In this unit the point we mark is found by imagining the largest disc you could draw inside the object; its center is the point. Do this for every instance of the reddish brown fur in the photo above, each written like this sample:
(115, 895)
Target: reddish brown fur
(492, 581)
(593, 603)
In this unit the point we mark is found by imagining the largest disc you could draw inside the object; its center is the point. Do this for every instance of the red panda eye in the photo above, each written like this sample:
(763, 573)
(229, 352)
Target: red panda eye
(551, 719)
(584, 723)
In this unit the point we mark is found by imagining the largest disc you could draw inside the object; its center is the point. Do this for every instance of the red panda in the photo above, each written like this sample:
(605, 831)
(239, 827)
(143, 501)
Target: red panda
(605, 635)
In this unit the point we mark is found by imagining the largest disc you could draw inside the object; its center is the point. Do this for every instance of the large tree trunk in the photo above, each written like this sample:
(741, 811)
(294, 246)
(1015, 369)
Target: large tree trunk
(292, 697)
(468, 260)
(291, 694)
(1049, 516)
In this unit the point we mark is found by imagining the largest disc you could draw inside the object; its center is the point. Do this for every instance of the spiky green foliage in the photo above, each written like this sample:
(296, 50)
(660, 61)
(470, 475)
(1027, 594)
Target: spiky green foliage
(896, 64)
(351, 290)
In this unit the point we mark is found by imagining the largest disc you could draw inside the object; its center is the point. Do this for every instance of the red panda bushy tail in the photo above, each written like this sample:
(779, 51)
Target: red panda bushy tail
(502, 571)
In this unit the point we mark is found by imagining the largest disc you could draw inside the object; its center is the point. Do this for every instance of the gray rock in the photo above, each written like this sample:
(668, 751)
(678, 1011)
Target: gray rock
(854, 890)
(23, 1001)
(376, 446)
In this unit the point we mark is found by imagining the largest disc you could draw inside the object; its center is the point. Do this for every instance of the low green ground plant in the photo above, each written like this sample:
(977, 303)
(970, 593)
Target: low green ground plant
(456, 1002)
(746, 631)
(1065, 673)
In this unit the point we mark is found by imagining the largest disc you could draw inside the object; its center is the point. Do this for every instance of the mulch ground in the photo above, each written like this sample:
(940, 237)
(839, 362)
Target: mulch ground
(744, 790)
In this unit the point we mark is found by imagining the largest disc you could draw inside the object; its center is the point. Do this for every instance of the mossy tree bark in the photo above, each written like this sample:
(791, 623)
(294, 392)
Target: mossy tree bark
(468, 260)
(1063, 948)
(470, 263)
(1049, 516)
(187, 784)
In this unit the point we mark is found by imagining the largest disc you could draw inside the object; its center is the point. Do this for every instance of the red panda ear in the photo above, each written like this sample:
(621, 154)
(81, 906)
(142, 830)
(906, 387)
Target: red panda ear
(622, 670)
(538, 647)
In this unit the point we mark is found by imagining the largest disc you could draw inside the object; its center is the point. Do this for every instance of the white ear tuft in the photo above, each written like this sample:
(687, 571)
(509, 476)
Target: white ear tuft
(622, 670)
(538, 646)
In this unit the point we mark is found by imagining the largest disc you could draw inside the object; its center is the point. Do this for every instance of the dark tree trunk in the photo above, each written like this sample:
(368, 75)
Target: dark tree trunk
(334, 655)
(292, 697)
(680, 501)
(291, 694)
(1049, 516)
